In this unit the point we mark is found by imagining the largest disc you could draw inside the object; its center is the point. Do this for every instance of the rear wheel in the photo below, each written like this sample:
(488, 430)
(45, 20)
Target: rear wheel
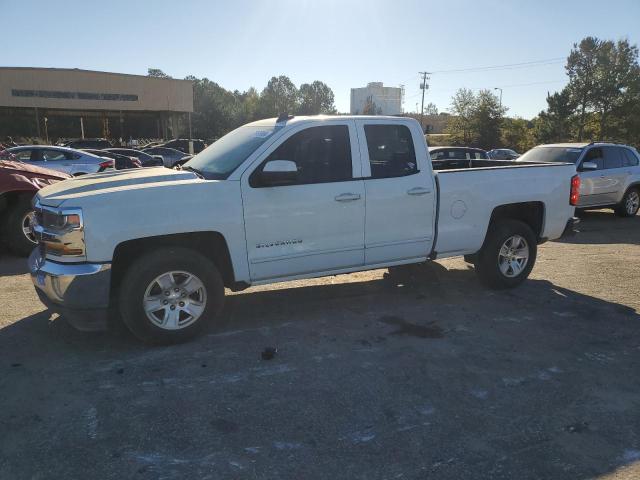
(508, 254)
(18, 227)
(630, 203)
(170, 295)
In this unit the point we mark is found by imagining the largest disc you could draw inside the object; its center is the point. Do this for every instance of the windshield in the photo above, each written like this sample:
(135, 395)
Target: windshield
(222, 157)
(551, 154)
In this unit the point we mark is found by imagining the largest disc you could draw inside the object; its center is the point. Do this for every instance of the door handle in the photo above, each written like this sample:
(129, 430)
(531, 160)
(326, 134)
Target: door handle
(347, 197)
(418, 191)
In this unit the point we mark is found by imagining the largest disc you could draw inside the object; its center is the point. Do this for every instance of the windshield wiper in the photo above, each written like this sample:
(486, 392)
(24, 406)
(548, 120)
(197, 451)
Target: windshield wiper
(194, 170)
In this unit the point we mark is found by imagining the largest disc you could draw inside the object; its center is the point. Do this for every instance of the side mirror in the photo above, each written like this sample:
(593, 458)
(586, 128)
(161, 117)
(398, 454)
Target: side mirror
(279, 172)
(588, 166)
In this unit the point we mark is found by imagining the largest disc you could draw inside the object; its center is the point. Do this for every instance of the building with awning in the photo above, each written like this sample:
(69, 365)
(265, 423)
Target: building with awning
(52, 103)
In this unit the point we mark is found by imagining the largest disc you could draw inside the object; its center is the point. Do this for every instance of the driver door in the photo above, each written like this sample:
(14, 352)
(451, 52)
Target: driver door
(316, 222)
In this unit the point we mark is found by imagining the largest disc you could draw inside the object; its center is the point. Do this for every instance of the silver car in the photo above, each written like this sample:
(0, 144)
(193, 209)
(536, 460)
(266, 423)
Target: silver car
(609, 173)
(62, 159)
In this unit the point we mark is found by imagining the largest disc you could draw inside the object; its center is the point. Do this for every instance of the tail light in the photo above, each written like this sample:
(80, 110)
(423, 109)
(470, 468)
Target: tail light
(575, 190)
(106, 164)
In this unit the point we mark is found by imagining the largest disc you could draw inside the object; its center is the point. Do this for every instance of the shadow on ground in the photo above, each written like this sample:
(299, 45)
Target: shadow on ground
(536, 382)
(597, 227)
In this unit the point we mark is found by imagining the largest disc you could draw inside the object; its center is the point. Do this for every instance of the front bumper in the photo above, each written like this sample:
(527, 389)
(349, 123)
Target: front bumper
(570, 229)
(78, 292)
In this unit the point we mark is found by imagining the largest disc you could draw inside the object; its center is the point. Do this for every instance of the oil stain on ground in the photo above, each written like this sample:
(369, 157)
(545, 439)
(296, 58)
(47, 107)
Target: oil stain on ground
(407, 328)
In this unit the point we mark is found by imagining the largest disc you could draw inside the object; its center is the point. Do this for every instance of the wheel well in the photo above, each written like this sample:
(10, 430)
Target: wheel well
(11, 198)
(633, 185)
(210, 244)
(531, 213)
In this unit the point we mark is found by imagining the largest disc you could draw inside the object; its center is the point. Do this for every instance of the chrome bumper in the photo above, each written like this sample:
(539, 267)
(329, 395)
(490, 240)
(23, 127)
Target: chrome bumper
(78, 292)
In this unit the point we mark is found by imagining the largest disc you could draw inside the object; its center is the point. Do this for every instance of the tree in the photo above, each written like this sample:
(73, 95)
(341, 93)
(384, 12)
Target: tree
(601, 73)
(461, 124)
(431, 109)
(279, 96)
(554, 124)
(518, 134)
(370, 107)
(315, 98)
(156, 72)
(215, 109)
(487, 117)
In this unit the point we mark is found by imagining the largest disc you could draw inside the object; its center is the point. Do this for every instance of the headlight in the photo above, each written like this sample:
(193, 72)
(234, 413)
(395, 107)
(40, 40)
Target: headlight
(60, 232)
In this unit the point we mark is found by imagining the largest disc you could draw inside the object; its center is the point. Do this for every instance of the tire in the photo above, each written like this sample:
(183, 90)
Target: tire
(145, 278)
(18, 241)
(493, 268)
(630, 203)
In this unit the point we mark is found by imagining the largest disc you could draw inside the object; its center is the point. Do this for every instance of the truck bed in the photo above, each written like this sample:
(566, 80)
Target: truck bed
(440, 165)
(468, 194)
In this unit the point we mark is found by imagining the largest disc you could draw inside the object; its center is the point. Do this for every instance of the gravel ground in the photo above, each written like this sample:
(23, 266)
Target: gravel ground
(418, 373)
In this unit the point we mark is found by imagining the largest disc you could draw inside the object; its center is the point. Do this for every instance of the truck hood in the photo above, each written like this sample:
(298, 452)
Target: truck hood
(110, 182)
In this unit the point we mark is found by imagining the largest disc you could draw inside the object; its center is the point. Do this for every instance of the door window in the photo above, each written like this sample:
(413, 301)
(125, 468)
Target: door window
(23, 155)
(612, 158)
(322, 155)
(629, 159)
(53, 155)
(391, 151)
(595, 156)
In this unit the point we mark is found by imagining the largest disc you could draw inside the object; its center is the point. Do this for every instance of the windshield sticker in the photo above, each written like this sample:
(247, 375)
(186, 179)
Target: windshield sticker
(262, 133)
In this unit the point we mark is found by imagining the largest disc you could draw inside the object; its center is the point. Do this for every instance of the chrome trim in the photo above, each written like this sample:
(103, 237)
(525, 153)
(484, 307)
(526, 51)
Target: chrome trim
(76, 286)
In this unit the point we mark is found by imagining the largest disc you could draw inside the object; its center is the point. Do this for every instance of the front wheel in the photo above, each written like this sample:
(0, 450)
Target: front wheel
(168, 296)
(630, 203)
(18, 233)
(508, 254)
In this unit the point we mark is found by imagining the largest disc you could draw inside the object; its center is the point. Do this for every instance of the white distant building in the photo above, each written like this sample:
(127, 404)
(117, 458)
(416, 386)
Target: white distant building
(387, 100)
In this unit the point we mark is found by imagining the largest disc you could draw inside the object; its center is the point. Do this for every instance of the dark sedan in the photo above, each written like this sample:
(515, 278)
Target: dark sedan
(122, 162)
(145, 159)
(171, 156)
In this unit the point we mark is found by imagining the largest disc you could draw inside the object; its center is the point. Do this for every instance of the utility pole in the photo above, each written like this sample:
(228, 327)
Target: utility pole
(498, 88)
(423, 86)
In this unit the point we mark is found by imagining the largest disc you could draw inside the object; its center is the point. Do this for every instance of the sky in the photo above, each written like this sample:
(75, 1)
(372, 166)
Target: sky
(344, 43)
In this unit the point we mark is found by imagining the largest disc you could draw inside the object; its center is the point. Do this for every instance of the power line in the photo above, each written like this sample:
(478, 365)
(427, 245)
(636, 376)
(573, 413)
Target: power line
(506, 66)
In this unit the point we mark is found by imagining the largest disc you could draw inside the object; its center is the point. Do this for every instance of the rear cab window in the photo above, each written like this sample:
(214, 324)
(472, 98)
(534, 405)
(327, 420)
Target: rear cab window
(391, 150)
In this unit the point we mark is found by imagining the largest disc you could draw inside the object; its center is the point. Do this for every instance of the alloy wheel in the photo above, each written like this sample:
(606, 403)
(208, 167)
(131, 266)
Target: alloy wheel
(175, 300)
(513, 256)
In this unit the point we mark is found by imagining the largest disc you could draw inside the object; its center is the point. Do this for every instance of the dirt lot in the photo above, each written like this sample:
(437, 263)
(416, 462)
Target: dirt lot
(416, 374)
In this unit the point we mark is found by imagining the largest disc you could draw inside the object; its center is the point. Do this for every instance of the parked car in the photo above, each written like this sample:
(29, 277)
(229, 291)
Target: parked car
(609, 173)
(18, 184)
(503, 154)
(277, 200)
(121, 162)
(182, 144)
(170, 156)
(82, 143)
(145, 159)
(455, 157)
(63, 159)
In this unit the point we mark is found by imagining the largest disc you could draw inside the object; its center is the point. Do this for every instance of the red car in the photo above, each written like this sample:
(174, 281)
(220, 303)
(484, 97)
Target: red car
(18, 184)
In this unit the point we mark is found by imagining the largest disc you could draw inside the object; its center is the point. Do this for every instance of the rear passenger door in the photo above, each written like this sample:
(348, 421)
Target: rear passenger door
(614, 174)
(400, 192)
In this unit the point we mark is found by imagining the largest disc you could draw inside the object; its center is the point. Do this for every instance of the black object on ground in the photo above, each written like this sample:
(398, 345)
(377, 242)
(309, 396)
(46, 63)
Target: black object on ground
(269, 352)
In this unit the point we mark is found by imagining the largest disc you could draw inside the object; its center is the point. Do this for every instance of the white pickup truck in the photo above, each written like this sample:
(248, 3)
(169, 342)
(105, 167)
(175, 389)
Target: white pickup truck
(283, 199)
